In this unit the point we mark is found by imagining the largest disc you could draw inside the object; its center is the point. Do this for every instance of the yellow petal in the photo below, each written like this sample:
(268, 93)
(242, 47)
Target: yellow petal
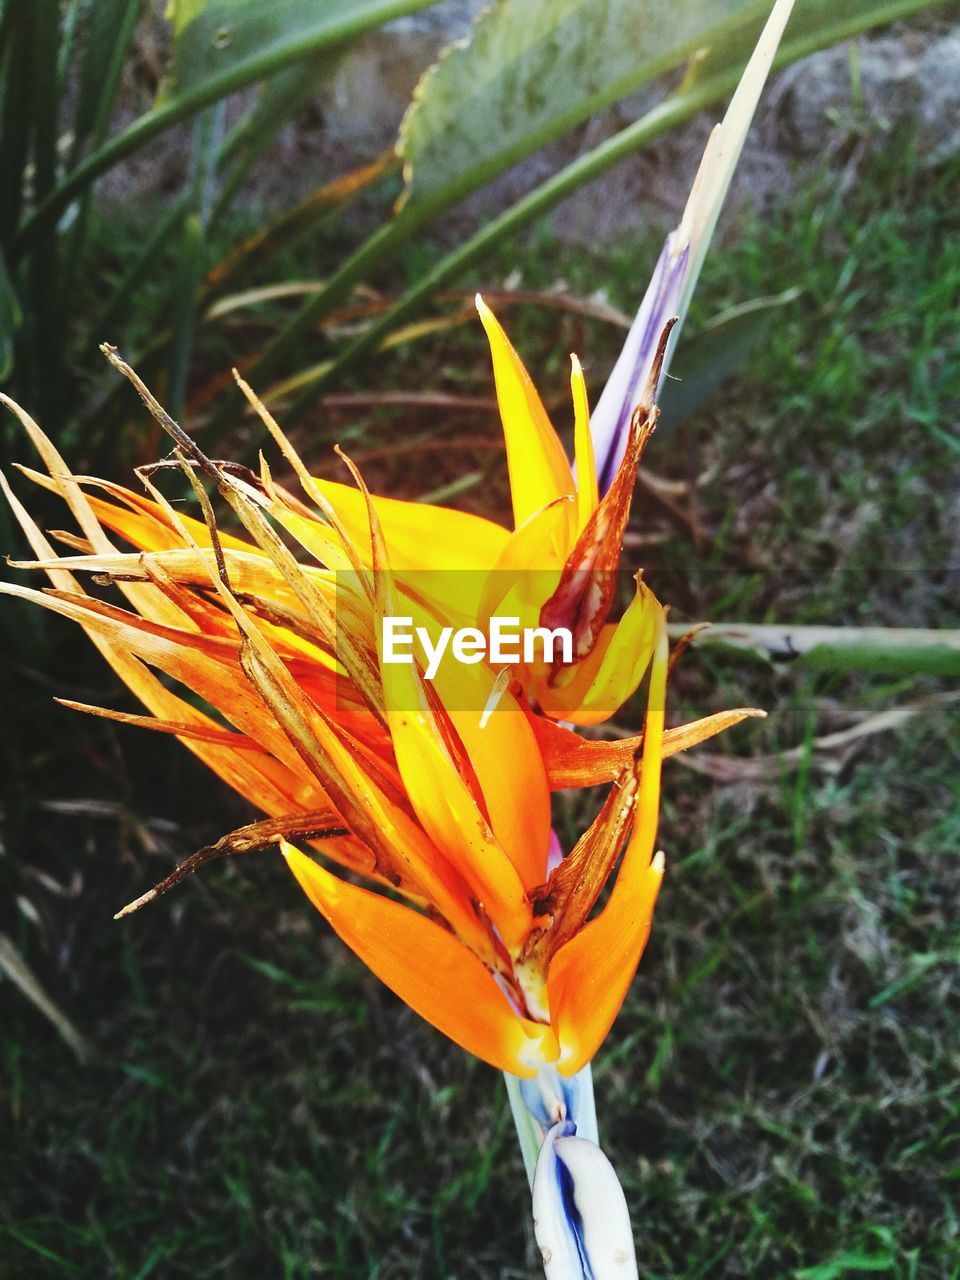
(322, 542)
(539, 470)
(419, 535)
(439, 794)
(598, 686)
(588, 493)
(528, 568)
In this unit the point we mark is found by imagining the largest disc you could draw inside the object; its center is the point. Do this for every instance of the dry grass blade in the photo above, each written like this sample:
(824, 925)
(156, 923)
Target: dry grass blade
(829, 753)
(22, 976)
(443, 400)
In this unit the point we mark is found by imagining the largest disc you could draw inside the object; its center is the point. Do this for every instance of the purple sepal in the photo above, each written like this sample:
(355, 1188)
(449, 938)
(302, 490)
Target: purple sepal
(610, 419)
(551, 1098)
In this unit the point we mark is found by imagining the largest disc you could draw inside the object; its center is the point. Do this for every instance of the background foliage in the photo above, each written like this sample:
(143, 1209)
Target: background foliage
(533, 70)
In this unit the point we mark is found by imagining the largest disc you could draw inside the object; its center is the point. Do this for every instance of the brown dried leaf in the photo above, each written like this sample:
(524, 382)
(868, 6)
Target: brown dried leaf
(320, 824)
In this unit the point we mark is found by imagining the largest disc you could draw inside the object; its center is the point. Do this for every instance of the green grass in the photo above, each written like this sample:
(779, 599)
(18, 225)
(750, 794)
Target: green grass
(780, 1094)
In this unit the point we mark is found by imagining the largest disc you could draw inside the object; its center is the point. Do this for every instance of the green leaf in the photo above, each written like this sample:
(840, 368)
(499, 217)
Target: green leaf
(534, 68)
(106, 38)
(9, 322)
(220, 41)
(904, 651)
(922, 963)
(678, 107)
(279, 100)
(855, 1260)
(107, 42)
(165, 228)
(16, 95)
(46, 319)
(207, 134)
(292, 225)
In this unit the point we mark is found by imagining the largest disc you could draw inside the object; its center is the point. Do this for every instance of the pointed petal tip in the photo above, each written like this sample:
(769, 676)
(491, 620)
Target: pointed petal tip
(298, 862)
(292, 854)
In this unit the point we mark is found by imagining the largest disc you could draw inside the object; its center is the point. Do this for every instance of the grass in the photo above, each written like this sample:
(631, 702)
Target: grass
(780, 1093)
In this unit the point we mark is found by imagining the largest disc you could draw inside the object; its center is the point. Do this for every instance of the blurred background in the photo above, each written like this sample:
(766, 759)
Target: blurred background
(215, 1086)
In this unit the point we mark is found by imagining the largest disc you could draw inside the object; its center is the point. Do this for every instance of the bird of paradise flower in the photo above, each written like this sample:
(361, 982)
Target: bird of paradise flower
(420, 793)
(437, 807)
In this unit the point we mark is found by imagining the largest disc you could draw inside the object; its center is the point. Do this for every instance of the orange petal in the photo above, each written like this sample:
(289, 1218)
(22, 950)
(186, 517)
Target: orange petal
(275, 783)
(427, 968)
(589, 976)
(497, 755)
(139, 520)
(147, 600)
(510, 773)
(349, 777)
(352, 781)
(573, 761)
(177, 728)
(539, 470)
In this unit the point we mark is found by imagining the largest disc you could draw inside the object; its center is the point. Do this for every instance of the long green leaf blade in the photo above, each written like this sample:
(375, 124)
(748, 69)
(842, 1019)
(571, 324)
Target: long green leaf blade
(534, 68)
(10, 318)
(330, 23)
(106, 39)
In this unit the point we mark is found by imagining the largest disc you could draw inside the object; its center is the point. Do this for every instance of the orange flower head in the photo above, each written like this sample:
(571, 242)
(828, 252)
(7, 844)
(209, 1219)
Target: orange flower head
(425, 803)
